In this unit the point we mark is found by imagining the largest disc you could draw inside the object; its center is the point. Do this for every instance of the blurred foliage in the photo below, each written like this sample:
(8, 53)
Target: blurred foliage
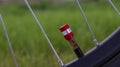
(29, 44)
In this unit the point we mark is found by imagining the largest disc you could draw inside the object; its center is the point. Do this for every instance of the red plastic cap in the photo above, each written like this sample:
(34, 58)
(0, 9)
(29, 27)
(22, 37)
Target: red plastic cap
(66, 31)
(64, 27)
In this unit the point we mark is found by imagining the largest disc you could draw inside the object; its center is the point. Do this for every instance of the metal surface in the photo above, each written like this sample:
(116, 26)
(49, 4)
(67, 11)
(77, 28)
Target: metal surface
(8, 40)
(115, 8)
(44, 33)
(87, 23)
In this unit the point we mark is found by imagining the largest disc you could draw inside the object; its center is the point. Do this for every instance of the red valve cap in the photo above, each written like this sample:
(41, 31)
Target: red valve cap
(66, 31)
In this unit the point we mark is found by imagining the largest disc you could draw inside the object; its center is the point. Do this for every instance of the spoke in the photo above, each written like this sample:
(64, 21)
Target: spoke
(115, 8)
(87, 23)
(44, 33)
(8, 40)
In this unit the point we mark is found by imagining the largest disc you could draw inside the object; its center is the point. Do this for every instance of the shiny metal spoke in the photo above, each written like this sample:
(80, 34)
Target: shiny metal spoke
(114, 7)
(87, 23)
(8, 40)
(44, 33)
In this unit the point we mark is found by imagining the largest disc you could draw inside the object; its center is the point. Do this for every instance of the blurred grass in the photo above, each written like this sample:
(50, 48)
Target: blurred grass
(29, 44)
